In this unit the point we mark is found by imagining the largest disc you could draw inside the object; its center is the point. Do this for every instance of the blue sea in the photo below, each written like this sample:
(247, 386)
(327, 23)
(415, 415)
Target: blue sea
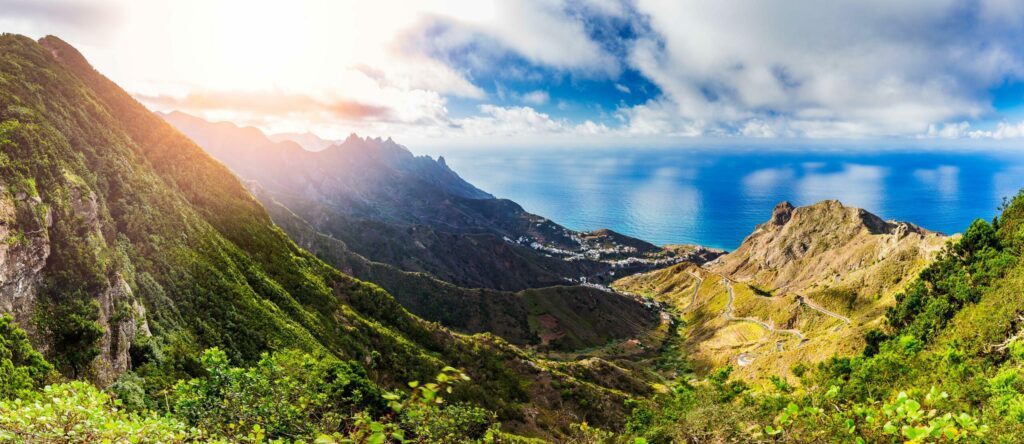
(715, 197)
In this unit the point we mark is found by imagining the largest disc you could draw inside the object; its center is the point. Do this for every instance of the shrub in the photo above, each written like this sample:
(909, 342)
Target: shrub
(288, 394)
(78, 412)
(22, 369)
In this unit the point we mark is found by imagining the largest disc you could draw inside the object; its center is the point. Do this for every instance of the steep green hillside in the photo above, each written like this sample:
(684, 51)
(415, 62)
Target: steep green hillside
(563, 318)
(133, 250)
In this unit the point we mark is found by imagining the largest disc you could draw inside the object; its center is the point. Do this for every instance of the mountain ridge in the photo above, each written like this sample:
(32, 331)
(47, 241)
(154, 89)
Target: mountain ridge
(400, 205)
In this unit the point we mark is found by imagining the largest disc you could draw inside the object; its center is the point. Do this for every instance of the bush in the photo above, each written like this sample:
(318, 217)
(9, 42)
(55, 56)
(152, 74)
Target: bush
(22, 369)
(288, 394)
(78, 412)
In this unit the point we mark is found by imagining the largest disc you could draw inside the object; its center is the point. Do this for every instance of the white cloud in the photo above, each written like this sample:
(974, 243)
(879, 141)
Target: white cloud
(520, 121)
(763, 69)
(758, 128)
(497, 120)
(1003, 130)
(827, 69)
(541, 31)
(535, 98)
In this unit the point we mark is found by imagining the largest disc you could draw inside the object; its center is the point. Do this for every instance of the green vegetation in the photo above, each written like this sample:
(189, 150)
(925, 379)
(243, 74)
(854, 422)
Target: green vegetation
(949, 366)
(287, 397)
(22, 369)
(79, 412)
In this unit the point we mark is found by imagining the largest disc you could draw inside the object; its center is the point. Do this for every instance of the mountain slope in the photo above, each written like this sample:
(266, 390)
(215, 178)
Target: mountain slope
(125, 246)
(415, 213)
(364, 173)
(804, 286)
(561, 318)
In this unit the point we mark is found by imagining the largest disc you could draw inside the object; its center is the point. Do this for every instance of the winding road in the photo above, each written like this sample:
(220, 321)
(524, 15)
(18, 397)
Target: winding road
(814, 306)
(728, 313)
(695, 290)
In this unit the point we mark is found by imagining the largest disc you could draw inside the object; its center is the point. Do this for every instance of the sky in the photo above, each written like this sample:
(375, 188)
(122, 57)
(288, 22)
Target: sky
(548, 72)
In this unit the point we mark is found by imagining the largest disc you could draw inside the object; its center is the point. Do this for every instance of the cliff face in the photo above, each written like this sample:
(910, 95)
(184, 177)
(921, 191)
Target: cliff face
(24, 249)
(26, 220)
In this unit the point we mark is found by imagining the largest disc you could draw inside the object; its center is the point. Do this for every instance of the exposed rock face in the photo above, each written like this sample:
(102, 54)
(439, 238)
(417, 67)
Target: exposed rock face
(24, 249)
(123, 318)
(824, 243)
(782, 212)
(23, 254)
(120, 315)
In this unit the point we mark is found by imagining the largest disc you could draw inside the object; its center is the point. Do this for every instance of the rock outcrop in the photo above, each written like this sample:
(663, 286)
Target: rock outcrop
(24, 248)
(25, 223)
(820, 245)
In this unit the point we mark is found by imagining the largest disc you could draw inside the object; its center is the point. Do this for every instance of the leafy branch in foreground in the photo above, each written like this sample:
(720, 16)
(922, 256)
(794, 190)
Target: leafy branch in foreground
(902, 419)
(420, 417)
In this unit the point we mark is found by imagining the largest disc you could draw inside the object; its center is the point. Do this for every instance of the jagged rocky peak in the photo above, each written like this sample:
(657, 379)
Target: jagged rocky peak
(782, 212)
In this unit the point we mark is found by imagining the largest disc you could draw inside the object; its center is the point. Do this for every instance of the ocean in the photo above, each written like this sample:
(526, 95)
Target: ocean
(715, 197)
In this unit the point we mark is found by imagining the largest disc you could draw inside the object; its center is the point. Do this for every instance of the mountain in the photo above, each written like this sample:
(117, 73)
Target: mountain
(417, 214)
(806, 285)
(125, 250)
(308, 141)
(125, 247)
(828, 245)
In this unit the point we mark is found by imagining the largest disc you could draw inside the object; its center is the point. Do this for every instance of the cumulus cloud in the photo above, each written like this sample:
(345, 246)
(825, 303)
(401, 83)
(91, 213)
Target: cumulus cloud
(620, 68)
(1003, 130)
(541, 31)
(522, 120)
(833, 69)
